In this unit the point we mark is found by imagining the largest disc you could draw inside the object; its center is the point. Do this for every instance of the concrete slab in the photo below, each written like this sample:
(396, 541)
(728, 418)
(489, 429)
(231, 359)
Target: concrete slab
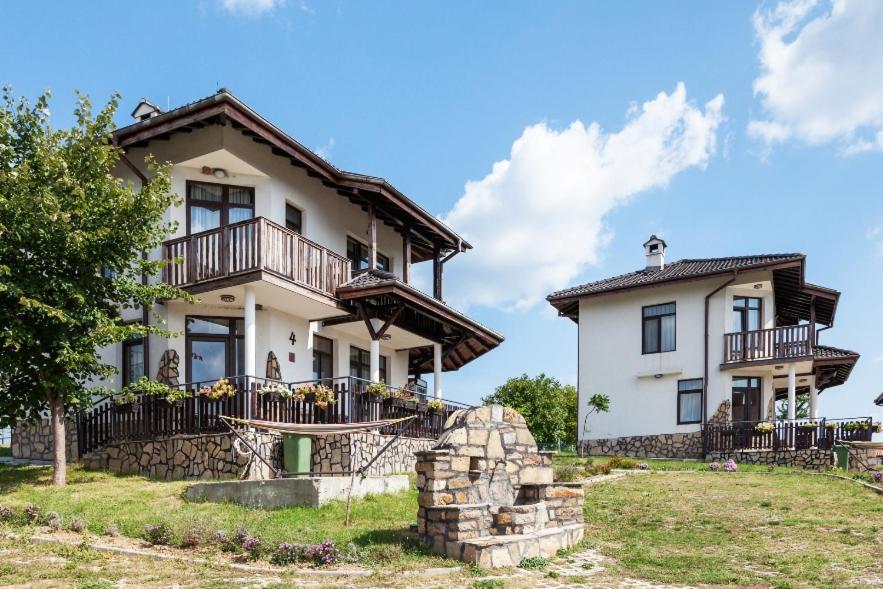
(309, 491)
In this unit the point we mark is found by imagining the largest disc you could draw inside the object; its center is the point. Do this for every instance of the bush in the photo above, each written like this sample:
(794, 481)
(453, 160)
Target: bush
(286, 553)
(598, 469)
(714, 466)
(32, 514)
(618, 462)
(53, 521)
(158, 534)
(643, 466)
(533, 563)
(224, 542)
(111, 530)
(192, 536)
(323, 554)
(6, 514)
(251, 546)
(730, 465)
(77, 525)
(568, 474)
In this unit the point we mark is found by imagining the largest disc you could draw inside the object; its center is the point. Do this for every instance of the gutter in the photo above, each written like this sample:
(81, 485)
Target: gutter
(705, 376)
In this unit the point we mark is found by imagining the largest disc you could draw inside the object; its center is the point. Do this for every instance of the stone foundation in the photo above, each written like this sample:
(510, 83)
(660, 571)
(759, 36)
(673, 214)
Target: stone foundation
(812, 459)
(346, 452)
(33, 441)
(680, 445)
(210, 456)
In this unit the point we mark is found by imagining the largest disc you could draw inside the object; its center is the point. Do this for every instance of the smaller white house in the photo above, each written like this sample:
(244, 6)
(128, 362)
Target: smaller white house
(706, 346)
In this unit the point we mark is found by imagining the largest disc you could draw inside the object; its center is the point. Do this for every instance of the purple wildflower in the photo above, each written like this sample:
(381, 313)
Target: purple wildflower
(251, 546)
(878, 476)
(731, 466)
(714, 466)
(6, 514)
(324, 553)
(644, 466)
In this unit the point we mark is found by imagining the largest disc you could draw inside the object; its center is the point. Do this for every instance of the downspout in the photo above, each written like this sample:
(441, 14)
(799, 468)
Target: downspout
(705, 376)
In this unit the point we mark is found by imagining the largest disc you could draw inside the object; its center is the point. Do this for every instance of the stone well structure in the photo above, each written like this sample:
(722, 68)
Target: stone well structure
(486, 493)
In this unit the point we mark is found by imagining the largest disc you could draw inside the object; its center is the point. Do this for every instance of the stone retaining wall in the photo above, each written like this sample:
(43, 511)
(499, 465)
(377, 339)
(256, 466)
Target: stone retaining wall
(812, 459)
(210, 456)
(33, 441)
(680, 445)
(345, 452)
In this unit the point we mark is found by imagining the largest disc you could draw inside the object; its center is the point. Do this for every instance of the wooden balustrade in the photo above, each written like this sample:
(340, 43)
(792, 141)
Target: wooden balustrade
(799, 434)
(793, 341)
(151, 417)
(247, 246)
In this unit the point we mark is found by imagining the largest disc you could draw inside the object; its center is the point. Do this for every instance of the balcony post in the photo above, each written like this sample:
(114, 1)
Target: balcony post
(792, 390)
(437, 369)
(813, 401)
(374, 365)
(250, 345)
(372, 237)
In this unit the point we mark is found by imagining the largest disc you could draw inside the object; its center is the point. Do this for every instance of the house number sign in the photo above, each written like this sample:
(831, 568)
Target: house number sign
(292, 338)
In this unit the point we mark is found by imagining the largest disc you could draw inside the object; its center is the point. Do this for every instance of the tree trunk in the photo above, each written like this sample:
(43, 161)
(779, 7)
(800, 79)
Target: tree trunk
(59, 442)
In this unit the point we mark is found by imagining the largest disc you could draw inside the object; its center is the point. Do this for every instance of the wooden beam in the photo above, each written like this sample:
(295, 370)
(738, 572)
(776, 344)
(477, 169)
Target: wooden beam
(372, 237)
(436, 273)
(364, 315)
(391, 320)
(406, 255)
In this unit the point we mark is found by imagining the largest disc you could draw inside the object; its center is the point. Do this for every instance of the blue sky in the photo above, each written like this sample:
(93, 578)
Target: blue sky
(431, 96)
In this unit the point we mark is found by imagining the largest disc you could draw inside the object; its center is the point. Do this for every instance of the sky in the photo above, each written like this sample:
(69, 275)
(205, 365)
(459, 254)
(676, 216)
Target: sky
(555, 136)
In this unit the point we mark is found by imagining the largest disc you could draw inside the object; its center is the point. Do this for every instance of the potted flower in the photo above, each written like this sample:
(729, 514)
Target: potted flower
(378, 391)
(764, 427)
(323, 396)
(402, 398)
(277, 391)
(435, 406)
(127, 400)
(877, 427)
(222, 389)
(804, 435)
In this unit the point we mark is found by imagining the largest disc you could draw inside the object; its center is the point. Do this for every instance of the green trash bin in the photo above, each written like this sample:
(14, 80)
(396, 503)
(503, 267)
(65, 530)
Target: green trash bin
(842, 454)
(296, 453)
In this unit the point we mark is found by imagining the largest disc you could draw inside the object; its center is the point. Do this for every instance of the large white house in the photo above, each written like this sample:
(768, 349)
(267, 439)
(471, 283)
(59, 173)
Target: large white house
(704, 345)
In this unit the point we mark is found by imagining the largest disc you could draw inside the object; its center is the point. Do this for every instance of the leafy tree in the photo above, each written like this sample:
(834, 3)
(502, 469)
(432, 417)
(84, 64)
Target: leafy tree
(801, 407)
(71, 243)
(548, 407)
(596, 404)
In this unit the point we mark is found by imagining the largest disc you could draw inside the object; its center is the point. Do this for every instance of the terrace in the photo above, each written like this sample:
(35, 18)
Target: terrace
(788, 434)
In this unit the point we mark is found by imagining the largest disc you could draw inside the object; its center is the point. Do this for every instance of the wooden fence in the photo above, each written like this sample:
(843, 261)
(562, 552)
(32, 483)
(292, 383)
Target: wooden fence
(798, 434)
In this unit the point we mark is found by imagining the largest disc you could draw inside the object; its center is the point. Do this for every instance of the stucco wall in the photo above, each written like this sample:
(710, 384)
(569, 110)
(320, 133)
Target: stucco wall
(611, 360)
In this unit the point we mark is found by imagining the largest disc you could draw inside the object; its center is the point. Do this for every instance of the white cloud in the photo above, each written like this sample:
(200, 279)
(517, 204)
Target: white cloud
(821, 78)
(251, 7)
(537, 219)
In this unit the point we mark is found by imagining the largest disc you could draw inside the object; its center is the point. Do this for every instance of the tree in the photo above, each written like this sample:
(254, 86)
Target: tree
(71, 243)
(596, 404)
(801, 407)
(548, 407)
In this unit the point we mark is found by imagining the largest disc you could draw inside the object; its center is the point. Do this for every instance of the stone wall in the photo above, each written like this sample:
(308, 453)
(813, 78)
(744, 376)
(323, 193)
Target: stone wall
(345, 452)
(209, 456)
(33, 441)
(813, 458)
(681, 445)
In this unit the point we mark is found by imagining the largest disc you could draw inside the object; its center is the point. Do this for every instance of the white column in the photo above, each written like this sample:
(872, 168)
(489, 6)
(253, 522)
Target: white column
(813, 401)
(250, 332)
(437, 370)
(792, 390)
(375, 360)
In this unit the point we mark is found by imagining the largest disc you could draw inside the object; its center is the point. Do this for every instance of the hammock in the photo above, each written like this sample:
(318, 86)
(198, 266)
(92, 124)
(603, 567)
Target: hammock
(317, 429)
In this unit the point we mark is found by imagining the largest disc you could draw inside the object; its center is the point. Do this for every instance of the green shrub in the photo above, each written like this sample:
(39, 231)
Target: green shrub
(53, 521)
(533, 563)
(158, 534)
(568, 474)
(598, 469)
(77, 524)
(488, 584)
(618, 462)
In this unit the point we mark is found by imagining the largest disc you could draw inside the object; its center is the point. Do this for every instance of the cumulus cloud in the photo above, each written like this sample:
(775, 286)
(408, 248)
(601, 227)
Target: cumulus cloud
(537, 219)
(251, 7)
(821, 78)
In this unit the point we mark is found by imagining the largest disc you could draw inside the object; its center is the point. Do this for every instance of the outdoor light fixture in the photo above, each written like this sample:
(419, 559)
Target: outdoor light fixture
(386, 337)
(657, 375)
(216, 172)
(779, 366)
(758, 286)
(227, 298)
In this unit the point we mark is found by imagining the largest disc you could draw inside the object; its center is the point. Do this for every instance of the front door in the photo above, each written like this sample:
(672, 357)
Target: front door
(746, 398)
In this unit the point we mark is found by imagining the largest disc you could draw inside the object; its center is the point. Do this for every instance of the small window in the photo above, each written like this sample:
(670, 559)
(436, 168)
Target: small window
(133, 360)
(210, 206)
(359, 255)
(360, 364)
(690, 401)
(293, 218)
(322, 358)
(659, 327)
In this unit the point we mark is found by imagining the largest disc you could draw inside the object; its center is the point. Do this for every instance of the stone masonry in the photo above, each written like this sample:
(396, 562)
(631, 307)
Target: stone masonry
(345, 452)
(33, 441)
(680, 445)
(811, 458)
(486, 494)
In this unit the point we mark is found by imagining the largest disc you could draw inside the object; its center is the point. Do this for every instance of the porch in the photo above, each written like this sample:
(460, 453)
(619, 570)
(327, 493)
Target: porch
(788, 434)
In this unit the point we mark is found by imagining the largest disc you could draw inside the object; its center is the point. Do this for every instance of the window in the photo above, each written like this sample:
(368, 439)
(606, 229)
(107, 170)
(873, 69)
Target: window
(359, 255)
(212, 205)
(746, 398)
(133, 360)
(215, 348)
(293, 218)
(747, 313)
(659, 328)
(690, 401)
(322, 358)
(360, 364)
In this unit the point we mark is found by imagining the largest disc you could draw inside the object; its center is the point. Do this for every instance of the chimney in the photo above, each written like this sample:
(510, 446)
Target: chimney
(145, 110)
(654, 251)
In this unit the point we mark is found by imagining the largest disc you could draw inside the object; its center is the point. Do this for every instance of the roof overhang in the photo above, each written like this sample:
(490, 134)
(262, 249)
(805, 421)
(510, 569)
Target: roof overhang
(391, 205)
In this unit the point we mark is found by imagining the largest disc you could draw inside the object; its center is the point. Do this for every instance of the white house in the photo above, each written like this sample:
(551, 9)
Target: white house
(302, 270)
(704, 345)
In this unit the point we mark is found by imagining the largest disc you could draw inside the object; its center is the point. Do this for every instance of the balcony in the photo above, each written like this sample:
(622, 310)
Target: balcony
(779, 343)
(794, 434)
(255, 245)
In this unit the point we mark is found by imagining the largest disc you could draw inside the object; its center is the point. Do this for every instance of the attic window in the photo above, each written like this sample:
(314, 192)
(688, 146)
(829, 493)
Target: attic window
(654, 248)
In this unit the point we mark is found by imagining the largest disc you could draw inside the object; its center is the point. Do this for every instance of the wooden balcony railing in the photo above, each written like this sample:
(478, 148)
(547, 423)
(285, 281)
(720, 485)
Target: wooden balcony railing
(793, 341)
(256, 244)
(795, 434)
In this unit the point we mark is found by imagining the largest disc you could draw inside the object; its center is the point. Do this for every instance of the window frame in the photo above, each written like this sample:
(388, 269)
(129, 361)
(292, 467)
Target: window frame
(658, 319)
(383, 364)
(744, 312)
(126, 368)
(329, 355)
(387, 261)
(700, 391)
(233, 339)
(300, 229)
(224, 205)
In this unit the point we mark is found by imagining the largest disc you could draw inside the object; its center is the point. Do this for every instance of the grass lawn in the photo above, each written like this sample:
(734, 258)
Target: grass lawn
(747, 529)
(379, 523)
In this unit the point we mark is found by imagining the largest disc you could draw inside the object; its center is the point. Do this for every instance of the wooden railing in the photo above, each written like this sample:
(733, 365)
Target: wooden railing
(256, 244)
(151, 417)
(796, 434)
(768, 344)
